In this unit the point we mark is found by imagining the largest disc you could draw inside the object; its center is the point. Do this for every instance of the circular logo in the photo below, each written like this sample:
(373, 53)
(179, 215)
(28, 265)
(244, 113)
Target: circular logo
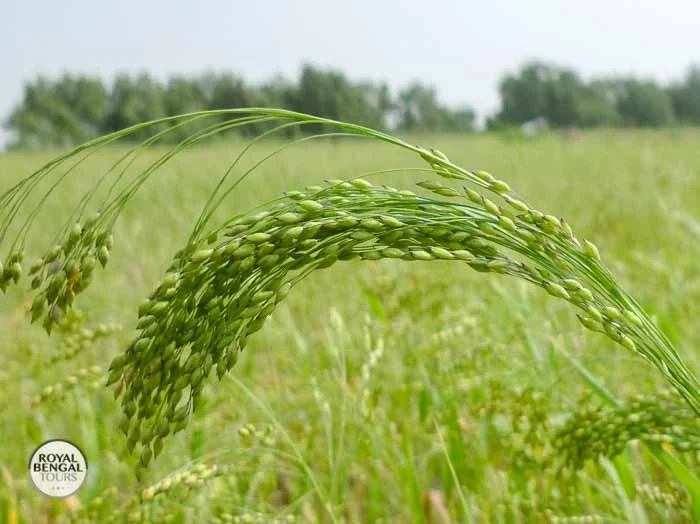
(58, 468)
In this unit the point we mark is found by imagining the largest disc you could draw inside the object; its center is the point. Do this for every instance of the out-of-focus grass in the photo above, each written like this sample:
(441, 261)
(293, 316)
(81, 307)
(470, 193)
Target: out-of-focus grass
(378, 390)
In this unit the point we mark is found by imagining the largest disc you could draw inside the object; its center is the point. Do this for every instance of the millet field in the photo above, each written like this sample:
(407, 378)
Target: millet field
(396, 385)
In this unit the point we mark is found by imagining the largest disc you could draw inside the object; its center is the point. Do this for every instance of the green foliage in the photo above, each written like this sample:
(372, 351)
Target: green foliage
(135, 100)
(332, 95)
(419, 110)
(643, 103)
(60, 113)
(377, 389)
(72, 109)
(686, 97)
(596, 431)
(539, 90)
(564, 99)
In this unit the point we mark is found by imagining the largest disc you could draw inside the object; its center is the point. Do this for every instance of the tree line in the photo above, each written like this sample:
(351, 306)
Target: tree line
(74, 108)
(559, 95)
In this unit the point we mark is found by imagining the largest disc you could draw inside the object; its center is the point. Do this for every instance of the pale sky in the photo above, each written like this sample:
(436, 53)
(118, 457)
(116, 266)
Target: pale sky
(462, 48)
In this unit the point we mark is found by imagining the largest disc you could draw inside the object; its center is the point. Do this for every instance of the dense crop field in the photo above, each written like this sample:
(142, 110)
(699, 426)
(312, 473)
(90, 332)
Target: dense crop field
(379, 390)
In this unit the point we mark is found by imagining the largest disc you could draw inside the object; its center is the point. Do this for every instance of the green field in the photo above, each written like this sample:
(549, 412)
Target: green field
(379, 391)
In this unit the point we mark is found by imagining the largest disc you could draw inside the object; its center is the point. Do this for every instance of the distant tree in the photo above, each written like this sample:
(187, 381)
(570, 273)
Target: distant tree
(228, 91)
(460, 120)
(643, 103)
(277, 92)
(379, 97)
(560, 96)
(419, 110)
(564, 98)
(59, 113)
(524, 96)
(685, 97)
(135, 100)
(330, 94)
(544, 90)
(597, 105)
(184, 95)
(369, 104)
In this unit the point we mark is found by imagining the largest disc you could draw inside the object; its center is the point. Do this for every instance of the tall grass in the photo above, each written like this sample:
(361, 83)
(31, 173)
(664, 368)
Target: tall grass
(230, 276)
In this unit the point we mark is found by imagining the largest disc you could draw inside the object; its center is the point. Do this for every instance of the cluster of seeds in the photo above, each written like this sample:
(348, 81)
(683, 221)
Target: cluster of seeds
(674, 498)
(530, 427)
(63, 272)
(85, 377)
(575, 519)
(220, 291)
(216, 296)
(253, 518)
(194, 477)
(75, 338)
(593, 432)
(568, 268)
(142, 507)
(11, 270)
(145, 506)
(366, 386)
(251, 434)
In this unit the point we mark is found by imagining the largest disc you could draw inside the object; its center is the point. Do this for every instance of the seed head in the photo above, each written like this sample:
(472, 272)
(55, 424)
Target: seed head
(419, 254)
(310, 205)
(38, 306)
(392, 252)
(430, 185)
(463, 254)
(201, 255)
(390, 221)
(556, 290)
(572, 284)
(446, 192)
(585, 294)
(595, 313)
(490, 206)
(516, 204)
(628, 343)
(441, 253)
(591, 250)
(611, 312)
(496, 265)
(361, 183)
(506, 223)
(485, 176)
(258, 238)
(371, 224)
(499, 186)
(633, 318)
(103, 255)
(15, 271)
(290, 218)
(472, 195)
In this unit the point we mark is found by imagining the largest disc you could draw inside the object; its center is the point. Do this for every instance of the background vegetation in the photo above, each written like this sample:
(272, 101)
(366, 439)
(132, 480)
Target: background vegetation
(378, 390)
(74, 108)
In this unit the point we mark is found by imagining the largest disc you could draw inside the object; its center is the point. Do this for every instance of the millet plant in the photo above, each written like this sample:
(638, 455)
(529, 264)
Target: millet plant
(229, 277)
